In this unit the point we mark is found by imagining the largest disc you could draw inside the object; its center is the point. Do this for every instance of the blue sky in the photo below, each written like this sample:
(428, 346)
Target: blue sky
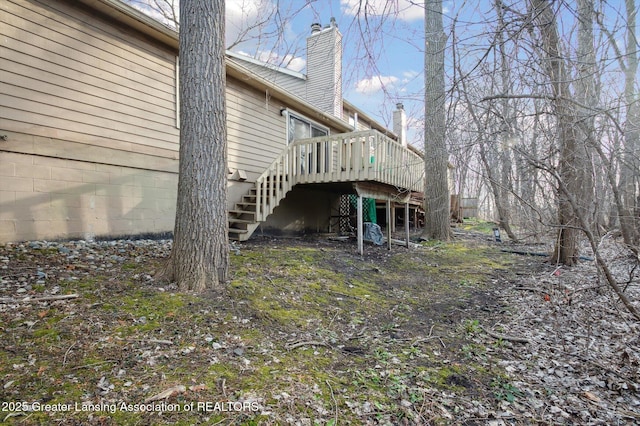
(382, 39)
(383, 50)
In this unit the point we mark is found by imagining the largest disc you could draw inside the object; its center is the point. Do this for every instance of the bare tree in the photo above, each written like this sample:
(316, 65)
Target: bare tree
(165, 11)
(571, 164)
(435, 149)
(256, 27)
(629, 164)
(200, 256)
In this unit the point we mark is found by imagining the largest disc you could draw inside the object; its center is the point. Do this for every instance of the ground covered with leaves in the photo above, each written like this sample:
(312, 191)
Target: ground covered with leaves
(310, 333)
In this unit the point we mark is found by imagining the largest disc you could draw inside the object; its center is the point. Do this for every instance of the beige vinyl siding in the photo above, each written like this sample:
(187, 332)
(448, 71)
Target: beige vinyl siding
(59, 72)
(89, 111)
(255, 129)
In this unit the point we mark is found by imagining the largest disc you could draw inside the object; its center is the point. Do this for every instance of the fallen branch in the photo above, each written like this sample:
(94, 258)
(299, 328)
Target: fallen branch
(152, 341)
(530, 289)
(64, 360)
(291, 346)
(426, 339)
(95, 364)
(335, 403)
(39, 299)
(402, 243)
(534, 253)
(223, 386)
(429, 337)
(167, 393)
(525, 253)
(505, 337)
(16, 414)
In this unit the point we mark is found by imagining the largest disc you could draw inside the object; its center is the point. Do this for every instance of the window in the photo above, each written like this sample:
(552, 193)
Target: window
(300, 128)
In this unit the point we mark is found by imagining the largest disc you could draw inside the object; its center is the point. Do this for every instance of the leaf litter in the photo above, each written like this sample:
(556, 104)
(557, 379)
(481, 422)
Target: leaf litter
(308, 332)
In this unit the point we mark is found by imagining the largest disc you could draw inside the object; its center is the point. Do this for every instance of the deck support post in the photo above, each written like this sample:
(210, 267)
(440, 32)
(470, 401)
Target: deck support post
(389, 224)
(360, 227)
(393, 217)
(406, 223)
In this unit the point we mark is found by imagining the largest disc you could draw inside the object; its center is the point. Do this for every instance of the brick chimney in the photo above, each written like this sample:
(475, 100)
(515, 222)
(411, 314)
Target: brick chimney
(324, 68)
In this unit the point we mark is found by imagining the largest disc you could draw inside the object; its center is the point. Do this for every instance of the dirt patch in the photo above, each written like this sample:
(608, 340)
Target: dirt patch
(307, 332)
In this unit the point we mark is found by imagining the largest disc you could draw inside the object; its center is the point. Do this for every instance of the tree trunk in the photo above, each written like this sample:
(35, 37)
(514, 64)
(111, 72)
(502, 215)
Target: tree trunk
(502, 192)
(629, 167)
(587, 94)
(570, 166)
(435, 156)
(200, 256)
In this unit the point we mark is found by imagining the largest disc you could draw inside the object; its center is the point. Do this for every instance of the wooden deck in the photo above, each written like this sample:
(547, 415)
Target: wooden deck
(365, 156)
(346, 157)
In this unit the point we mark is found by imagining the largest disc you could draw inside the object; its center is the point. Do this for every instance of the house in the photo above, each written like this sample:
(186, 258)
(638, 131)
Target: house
(89, 130)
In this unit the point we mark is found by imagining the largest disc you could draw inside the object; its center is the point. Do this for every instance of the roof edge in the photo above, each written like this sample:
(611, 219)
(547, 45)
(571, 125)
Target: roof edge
(252, 60)
(243, 74)
(136, 19)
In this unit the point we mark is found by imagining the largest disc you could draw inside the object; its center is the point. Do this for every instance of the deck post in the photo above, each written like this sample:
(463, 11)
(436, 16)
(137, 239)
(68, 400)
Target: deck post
(393, 217)
(406, 223)
(360, 227)
(389, 224)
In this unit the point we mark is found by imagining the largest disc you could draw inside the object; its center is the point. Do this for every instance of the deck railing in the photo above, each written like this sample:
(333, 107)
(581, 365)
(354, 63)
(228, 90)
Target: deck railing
(345, 157)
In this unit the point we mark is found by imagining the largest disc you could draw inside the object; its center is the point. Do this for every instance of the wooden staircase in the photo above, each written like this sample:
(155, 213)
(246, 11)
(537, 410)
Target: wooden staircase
(243, 218)
(254, 207)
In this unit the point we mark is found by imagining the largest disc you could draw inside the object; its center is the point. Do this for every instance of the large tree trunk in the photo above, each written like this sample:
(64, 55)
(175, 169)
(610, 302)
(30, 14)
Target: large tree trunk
(629, 167)
(571, 162)
(200, 256)
(502, 192)
(587, 95)
(435, 156)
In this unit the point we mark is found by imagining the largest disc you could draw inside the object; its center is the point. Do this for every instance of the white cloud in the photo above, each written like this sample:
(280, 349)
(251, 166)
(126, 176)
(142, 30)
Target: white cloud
(246, 18)
(409, 76)
(297, 64)
(375, 84)
(405, 10)
(294, 63)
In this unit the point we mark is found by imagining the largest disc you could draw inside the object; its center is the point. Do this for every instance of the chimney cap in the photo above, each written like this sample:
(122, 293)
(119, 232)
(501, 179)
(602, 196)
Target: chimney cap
(400, 105)
(316, 27)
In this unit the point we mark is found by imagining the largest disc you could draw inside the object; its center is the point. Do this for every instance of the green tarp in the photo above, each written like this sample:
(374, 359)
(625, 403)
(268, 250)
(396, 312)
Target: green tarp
(368, 208)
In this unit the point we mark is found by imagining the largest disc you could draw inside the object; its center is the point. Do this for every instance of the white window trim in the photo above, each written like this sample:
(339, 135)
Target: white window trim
(287, 114)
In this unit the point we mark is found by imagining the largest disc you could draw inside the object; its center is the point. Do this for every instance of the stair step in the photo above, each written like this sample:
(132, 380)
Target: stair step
(246, 203)
(242, 219)
(241, 212)
(237, 231)
(236, 220)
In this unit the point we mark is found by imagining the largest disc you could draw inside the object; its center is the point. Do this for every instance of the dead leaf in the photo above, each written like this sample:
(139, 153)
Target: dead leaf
(198, 388)
(590, 396)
